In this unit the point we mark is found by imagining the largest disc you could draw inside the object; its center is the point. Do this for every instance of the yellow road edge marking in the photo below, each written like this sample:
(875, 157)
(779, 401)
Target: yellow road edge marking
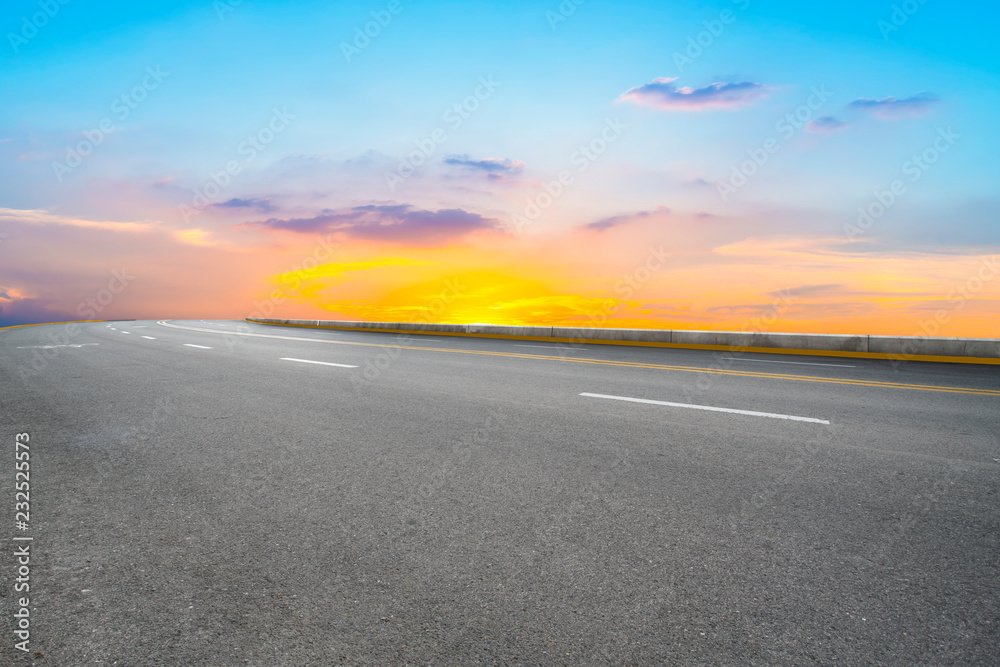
(890, 356)
(628, 364)
(40, 324)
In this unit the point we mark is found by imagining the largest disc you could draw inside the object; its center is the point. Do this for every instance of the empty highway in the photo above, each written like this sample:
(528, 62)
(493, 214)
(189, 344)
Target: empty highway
(218, 492)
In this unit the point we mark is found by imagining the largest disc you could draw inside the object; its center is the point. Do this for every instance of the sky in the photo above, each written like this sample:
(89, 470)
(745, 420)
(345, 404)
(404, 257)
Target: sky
(729, 165)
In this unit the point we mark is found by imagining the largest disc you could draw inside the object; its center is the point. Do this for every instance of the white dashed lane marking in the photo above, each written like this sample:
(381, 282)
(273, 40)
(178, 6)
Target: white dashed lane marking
(49, 347)
(710, 408)
(321, 363)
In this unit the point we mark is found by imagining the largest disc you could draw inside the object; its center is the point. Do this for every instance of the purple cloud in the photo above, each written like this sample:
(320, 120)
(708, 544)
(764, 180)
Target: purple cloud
(491, 165)
(808, 290)
(614, 221)
(608, 223)
(825, 125)
(890, 107)
(262, 205)
(661, 93)
(390, 222)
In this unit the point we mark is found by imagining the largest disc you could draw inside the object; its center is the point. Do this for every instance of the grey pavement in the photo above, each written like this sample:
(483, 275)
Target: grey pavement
(206, 493)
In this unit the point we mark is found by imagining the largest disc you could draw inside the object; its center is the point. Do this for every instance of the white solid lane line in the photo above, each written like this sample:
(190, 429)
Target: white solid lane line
(800, 363)
(321, 363)
(200, 347)
(49, 347)
(149, 337)
(552, 347)
(709, 407)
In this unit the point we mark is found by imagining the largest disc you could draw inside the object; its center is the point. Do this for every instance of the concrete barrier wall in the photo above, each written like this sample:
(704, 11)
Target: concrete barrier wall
(947, 347)
(829, 342)
(857, 345)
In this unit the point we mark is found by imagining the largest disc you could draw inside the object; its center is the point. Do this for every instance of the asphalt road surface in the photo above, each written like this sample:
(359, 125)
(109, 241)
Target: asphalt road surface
(234, 494)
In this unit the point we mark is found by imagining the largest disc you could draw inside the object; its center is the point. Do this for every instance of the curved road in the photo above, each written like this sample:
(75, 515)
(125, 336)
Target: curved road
(230, 493)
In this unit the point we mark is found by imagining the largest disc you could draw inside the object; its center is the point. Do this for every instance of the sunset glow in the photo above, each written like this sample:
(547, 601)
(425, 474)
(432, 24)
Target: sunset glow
(669, 165)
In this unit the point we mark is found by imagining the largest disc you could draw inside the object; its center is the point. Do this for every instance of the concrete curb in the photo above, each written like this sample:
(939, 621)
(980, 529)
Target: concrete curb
(897, 348)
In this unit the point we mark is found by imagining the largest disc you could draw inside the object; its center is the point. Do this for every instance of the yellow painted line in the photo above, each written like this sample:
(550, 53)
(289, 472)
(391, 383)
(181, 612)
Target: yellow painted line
(628, 364)
(884, 356)
(41, 324)
(800, 378)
